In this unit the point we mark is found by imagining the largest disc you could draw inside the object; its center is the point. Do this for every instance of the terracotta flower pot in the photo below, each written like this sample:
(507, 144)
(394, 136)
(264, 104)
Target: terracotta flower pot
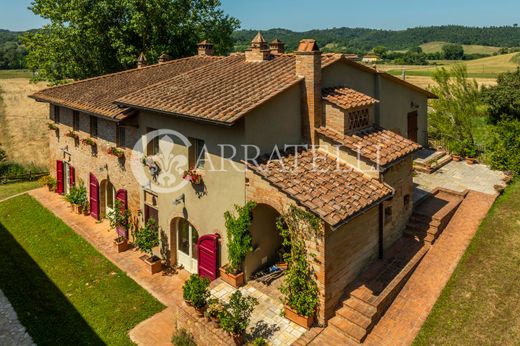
(154, 263)
(232, 279)
(303, 321)
(456, 158)
(200, 311)
(238, 339)
(470, 160)
(282, 265)
(121, 244)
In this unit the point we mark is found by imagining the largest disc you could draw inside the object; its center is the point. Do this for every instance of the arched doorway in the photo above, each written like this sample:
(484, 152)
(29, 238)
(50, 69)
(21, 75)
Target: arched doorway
(267, 240)
(186, 244)
(108, 197)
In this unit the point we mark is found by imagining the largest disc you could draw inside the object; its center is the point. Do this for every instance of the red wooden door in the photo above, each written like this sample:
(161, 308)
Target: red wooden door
(121, 196)
(207, 246)
(412, 126)
(94, 196)
(59, 176)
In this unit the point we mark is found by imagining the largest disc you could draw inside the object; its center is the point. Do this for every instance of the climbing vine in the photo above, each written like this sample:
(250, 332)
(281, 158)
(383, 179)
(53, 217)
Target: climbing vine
(238, 235)
(299, 287)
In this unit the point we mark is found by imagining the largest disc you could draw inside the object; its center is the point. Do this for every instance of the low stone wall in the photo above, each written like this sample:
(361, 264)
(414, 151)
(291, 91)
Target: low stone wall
(204, 332)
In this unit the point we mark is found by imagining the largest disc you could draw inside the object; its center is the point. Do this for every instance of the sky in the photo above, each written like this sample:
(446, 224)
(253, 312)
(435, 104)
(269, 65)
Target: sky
(302, 15)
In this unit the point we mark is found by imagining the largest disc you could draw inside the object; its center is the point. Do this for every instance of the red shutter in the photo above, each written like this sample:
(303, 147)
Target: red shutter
(207, 246)
(59, 176)
(72, 176)
(94, 196)
(121, 196)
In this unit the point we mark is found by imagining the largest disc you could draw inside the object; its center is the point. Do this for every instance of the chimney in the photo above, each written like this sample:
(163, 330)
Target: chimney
(205, 48)
(164, 58)
(259, 50)
(308, 66)
(276, 47)
(141, 61)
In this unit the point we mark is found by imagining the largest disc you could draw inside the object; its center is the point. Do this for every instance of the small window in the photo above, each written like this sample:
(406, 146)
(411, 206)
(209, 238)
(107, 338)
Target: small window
(197, 153)
(358, 119)
(57, 114)
(93, 126)
(153, 144)
(75, 120)
(388, 214)
(121, 136)
(406, 201)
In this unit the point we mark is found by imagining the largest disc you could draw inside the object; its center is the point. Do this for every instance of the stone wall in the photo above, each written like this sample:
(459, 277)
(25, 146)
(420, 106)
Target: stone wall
(203, 331)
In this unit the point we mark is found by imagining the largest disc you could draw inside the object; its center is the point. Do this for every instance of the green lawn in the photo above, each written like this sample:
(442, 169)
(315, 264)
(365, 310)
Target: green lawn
(481, 303)
(7, 74)
(63, 290)
(11, 189)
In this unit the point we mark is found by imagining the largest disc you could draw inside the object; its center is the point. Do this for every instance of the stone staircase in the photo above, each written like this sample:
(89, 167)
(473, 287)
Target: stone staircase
(431, 217)
(374, 290)
(432, 162)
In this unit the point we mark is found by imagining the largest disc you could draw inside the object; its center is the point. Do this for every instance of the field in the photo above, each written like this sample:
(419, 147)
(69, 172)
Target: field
(479, 305)
(23, 131)
(7, 190)
(64, 291)
(434, 47)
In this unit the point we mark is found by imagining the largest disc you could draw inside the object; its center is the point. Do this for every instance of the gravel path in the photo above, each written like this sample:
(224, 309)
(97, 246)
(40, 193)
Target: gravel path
(12, 333)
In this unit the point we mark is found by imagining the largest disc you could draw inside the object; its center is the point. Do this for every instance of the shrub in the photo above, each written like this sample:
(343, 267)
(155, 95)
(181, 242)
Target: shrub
(119, 216)
(237, 313)
(3, 155)
(259, 342)
(77, 195)
(239, 238)
(195, 291)
(183, 338)
(503, 148)
(48, 181)
(147, 237)
(215, 308)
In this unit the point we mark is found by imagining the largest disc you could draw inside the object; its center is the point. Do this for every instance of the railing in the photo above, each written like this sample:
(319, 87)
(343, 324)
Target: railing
(22, 177)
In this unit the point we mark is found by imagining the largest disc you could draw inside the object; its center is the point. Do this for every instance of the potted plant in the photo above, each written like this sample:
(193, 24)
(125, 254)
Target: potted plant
(283, 254)
(456, 151)
(119, 219)
(239, 243)
(145, 239)
(72, 135)
(88, 141)
(52, 126)
(213, 311)
(193, 176)
(301, 294)
(195, 292)
(77, 197)
(114, 151)
(48, 181)
(471, 154)
(236, 316)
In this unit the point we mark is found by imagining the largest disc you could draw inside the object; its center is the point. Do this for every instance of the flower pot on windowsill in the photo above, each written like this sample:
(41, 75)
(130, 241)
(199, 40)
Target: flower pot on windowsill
(235, 280)
(153, 262)
(456, 158)
(121, 244)
(305, 322)
(471, 160)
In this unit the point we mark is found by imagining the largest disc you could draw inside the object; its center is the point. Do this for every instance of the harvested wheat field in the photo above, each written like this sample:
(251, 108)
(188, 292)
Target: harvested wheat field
(23, 122)
(426, 81)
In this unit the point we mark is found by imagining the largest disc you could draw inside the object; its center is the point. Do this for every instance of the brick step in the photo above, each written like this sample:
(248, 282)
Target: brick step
(355, 316)
(348, 328)
(432, 163)
(422, 228)
(360, 306)
(430, 238)
(426, 219)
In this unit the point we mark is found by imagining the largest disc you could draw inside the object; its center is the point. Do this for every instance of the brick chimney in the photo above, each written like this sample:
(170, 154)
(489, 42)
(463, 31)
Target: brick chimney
(141, 61)
(308, 66)
(164, 58)
(276, 47)
(259, 50)
(205, 48)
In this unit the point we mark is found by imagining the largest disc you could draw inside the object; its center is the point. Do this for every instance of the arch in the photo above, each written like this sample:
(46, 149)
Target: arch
(267, 241)
(107, 197)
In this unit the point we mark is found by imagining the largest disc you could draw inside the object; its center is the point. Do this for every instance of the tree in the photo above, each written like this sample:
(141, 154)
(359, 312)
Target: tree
(504, 98)
(503, 147)
(453, 52)
(87, 38)
(454, 113)
(380, 51)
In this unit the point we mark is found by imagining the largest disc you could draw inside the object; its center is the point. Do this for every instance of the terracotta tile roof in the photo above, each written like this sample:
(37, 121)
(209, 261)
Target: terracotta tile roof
(97, 95)
(223, 92)
(332, 190)
(368, 141)
(347, 98)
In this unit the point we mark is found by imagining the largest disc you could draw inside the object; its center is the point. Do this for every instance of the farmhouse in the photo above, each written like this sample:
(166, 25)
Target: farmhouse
(365, 126)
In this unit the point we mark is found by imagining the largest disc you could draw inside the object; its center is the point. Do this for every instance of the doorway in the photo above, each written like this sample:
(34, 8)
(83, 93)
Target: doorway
(110, 197)
(187, 251)
(412, 126)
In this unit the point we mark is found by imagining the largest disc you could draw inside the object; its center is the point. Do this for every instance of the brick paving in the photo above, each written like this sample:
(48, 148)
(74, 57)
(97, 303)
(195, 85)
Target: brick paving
(12, 332)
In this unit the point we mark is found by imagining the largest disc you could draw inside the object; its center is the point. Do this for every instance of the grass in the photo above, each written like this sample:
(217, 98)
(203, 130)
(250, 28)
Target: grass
(63, 290)
(436, 46)
(479, 305)
(12, 189)
(8, 74)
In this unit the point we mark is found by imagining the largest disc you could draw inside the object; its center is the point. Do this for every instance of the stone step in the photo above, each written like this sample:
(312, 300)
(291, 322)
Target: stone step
(360, 306)
(422, 228)
(355, 316)
(426, 219)
(348, 328)
(432, 163)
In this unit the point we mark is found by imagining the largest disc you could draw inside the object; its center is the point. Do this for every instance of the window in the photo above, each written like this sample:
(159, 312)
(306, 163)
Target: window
(406, 201)
(56, 114)
(121, 136)
(93, 126)
(388, 214)
(153, 144)
(358, 119)
(75, 120)
(197, 153)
